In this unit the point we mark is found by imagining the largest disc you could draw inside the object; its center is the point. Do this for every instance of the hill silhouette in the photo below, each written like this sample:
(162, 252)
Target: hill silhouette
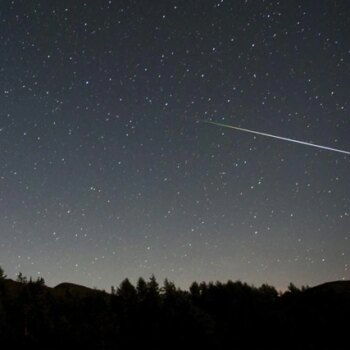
(74, 289)
(336, 287)
(211, 315)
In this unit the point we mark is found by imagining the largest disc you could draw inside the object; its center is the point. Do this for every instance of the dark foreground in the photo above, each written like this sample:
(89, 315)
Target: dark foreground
(233, 315)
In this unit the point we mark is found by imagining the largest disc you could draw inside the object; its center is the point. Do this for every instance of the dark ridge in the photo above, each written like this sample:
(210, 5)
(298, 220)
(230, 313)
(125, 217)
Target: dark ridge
(11, 287)
(338, 287)
(76, 289)
(208, 315)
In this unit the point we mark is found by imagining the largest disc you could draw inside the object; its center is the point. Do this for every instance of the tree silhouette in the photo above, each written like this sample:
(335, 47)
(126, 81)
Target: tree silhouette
(127, 291)
(33, 315)
(153, 288)
(21, 278)
(2, 273)
(141, 288)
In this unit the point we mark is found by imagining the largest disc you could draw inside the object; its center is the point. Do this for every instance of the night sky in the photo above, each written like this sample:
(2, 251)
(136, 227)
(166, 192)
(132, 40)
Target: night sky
(107, 170)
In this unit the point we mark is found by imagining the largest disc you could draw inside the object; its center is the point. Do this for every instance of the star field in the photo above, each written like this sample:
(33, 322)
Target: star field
(106, 170)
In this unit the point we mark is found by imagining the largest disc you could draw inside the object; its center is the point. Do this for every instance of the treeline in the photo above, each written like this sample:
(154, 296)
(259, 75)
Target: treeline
(231, 315)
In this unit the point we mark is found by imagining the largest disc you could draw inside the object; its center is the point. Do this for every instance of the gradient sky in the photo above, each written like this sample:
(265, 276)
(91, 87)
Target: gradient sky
(106, 171)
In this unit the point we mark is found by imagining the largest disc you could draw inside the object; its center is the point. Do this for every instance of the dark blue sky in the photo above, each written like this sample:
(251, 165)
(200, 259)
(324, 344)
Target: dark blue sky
(107, 172)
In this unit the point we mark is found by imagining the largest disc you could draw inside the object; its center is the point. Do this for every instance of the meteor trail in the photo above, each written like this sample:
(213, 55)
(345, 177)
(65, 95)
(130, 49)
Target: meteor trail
(276, 137)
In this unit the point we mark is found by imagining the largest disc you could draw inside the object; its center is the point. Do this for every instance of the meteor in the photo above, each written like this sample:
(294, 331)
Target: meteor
(277, 137)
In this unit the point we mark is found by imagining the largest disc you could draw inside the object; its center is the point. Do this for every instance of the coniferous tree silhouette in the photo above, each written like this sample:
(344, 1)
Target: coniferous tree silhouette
(32, 315)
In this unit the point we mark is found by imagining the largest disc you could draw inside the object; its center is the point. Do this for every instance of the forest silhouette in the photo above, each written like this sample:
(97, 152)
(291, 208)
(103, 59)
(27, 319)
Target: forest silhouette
(231, 315)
